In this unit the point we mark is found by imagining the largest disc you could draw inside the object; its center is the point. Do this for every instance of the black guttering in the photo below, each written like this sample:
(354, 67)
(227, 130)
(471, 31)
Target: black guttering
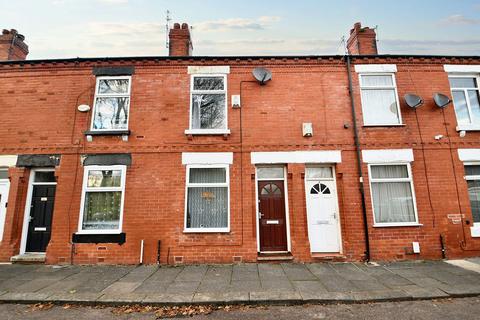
(222, 58)
(359, 157)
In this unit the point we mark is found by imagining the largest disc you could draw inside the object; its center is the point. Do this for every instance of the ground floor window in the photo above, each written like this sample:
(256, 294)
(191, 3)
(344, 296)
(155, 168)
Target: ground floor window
(207, 205)
(102, 199)
(393, 195)
(472, 175)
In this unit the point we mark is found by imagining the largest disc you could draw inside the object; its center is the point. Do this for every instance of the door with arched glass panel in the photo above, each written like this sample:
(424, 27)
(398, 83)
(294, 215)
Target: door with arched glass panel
(322, 210)
(271, 210)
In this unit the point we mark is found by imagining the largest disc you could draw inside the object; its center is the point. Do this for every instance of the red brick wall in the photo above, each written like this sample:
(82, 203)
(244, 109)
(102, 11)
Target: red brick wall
(39, 103)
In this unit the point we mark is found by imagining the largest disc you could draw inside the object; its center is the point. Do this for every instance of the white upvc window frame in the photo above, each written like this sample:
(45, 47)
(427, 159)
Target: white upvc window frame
(412, 188)
(471, 125)
(475, 228)
(111, 95)
(193, 131)
(189, 184)
(366, 87)
(86, 189)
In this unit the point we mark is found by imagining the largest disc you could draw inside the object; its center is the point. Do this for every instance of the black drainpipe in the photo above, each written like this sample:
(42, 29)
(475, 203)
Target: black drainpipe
(359, 158)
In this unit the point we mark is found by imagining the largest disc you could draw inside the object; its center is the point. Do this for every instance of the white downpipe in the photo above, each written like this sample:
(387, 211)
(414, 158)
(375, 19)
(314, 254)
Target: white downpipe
(141, 252)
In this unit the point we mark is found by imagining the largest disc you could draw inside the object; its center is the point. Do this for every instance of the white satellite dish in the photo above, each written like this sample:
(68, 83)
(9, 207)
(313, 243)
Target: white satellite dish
(83, 108)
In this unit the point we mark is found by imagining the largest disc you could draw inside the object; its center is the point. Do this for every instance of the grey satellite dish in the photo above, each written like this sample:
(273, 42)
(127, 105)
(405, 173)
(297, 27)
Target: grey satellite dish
(441, 100)
(413, 101)
(262, 75)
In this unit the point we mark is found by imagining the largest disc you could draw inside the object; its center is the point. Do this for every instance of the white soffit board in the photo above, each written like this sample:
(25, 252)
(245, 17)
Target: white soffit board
(208, 69)
(333, 156)
(207, 158)
(469, 154)
(461, 68)
(8, 160)
(361, 68)
(387, 155)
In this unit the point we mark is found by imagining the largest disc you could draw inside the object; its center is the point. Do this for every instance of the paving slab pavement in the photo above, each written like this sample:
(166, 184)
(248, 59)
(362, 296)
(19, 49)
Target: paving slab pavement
(240, 283)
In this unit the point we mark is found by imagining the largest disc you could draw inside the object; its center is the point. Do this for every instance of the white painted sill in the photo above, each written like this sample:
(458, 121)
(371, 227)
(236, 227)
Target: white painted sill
(393, 225)
(468, 127)
(384, 125)
(219, 230)
(97, 232)
(207, 131)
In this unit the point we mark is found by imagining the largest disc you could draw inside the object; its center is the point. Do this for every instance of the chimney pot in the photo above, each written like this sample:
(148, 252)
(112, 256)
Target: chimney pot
(180, 41)
(362, 41)
(12, 45)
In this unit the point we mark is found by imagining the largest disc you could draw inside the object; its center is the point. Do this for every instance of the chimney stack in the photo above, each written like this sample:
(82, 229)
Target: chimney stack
(180, 41)
(362, 41)
(12, 46)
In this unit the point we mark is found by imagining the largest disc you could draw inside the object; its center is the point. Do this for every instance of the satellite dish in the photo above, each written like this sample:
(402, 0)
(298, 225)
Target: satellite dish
(83, 108)
(413, 101)
(262, 75)
(441, 100)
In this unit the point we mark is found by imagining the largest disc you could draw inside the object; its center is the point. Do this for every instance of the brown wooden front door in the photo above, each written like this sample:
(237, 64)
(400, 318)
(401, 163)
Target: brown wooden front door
(273, 226)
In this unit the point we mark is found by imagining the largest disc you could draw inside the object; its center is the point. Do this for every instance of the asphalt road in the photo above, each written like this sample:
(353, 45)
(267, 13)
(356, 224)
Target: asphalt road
(465, 308)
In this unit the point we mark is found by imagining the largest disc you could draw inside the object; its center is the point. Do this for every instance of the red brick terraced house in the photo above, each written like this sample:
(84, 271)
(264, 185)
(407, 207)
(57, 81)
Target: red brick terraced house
(189, 159)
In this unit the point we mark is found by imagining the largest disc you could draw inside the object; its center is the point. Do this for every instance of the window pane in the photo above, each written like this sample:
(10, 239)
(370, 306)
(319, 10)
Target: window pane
(207, 207)
(472, 170)
(270, 172)
(208, 175)
(3, 174)
(208, 83)
(321, 172)
(377, 81)
(45, 176)
(393, 202)
(380, 107)
(104, 178)
(461, 109)
(389, 172)
(112, 86)
(208, 111)
(111, 113)
(474, 193)
(102, 210)
(474, 105)
(463, 82)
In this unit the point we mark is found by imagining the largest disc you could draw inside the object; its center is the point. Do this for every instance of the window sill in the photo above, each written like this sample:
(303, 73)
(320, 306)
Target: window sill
(107, 133)
(393, 225)
(383, 125)
(207, 131)
(468, 127)
(219, 230)
(118, 238)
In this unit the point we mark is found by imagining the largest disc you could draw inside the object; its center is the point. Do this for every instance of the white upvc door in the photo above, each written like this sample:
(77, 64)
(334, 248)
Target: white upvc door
(322, 216)
(4, 187)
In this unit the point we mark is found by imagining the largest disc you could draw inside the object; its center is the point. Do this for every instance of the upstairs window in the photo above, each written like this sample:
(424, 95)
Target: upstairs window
(208, 104)
(466, 100)
(379, 96)
(111, 104)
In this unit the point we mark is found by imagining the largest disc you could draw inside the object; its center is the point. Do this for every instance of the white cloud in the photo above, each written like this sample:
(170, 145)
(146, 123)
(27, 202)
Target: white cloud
(260, 23)
(458, 19)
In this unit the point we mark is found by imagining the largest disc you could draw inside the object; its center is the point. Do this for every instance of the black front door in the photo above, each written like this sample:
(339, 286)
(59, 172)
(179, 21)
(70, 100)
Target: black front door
(41, 211)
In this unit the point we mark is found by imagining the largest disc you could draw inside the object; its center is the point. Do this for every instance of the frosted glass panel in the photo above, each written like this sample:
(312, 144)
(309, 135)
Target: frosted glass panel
(270, 172)
(320, 172)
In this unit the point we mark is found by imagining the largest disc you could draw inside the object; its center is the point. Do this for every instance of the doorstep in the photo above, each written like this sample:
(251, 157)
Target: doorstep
(271, 257)
(337, 257)
(29, 258)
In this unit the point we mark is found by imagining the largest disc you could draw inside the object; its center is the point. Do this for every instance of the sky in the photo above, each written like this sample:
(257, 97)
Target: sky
(107, 28)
